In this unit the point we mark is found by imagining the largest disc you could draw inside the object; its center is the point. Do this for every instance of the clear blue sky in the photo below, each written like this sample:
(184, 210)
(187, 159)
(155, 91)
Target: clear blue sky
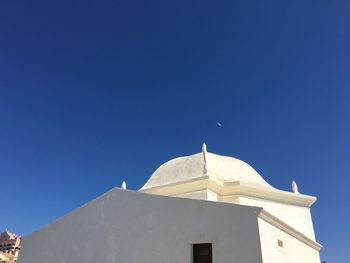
(96, 92)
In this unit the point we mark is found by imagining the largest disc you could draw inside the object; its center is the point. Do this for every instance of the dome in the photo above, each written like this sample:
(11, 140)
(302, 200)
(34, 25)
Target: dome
(221, 168)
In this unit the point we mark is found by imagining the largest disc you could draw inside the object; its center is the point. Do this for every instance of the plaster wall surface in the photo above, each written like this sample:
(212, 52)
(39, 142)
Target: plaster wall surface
(293, 250)
(128, 227)
(298, 217)
(200, 195)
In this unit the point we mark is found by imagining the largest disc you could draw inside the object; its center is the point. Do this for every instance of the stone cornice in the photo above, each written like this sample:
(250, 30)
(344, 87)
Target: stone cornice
(227, 189)
(255, 191)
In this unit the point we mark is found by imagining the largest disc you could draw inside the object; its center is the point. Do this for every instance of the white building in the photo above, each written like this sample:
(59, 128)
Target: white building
(248, 221)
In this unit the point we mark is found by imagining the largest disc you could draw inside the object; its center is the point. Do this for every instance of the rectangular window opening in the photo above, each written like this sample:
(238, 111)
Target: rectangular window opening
(202, 253)
(280, 243)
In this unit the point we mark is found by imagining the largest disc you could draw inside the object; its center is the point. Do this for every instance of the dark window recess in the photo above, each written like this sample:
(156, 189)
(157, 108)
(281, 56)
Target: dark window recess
(280, 243)
(202, 253)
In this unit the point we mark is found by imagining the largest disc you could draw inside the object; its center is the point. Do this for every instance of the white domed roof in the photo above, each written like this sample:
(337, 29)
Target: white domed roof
(221, 168)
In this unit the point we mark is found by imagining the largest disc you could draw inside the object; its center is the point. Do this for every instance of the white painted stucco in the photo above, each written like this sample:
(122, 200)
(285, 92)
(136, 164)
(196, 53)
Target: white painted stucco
(217, 167)
(124, 227)
(298, 217)
(238, 212)
(213, 177)
(293, 250)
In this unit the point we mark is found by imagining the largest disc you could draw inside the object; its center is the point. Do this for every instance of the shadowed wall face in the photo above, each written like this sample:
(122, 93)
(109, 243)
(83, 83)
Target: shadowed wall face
(124, 227)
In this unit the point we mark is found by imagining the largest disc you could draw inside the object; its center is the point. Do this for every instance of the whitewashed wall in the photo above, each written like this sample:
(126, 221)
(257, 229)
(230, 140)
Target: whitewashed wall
(297, 217)
(293, 250)
(129, 227)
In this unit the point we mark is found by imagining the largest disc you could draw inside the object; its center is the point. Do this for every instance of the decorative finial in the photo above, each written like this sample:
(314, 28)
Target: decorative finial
(204, 147)
(295, 187)
(204, 151)
(123, 185)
